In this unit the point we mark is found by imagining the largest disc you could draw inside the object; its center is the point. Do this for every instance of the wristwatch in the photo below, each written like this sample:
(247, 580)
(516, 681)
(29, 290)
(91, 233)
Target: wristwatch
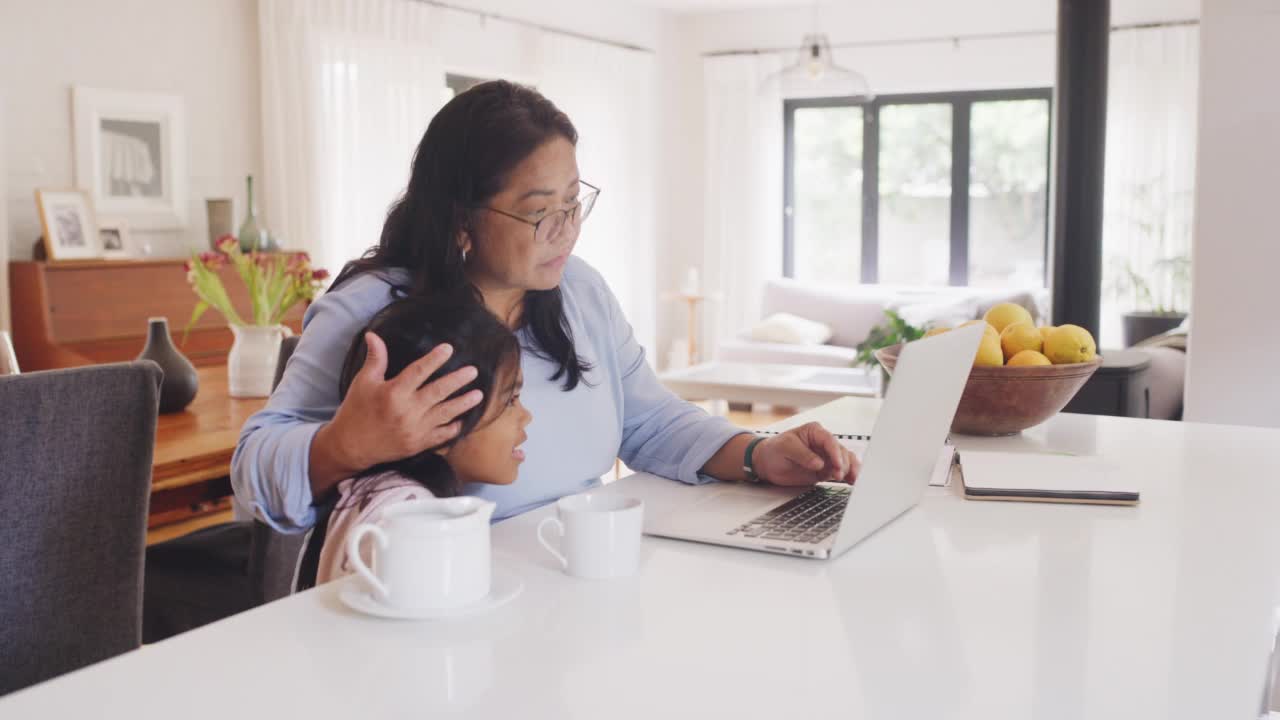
(747, 465)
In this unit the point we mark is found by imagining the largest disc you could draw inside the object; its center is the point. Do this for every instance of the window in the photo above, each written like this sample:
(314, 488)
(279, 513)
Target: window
(934, 189)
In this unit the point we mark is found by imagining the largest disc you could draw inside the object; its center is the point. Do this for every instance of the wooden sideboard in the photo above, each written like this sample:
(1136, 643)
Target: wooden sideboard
(66, 314)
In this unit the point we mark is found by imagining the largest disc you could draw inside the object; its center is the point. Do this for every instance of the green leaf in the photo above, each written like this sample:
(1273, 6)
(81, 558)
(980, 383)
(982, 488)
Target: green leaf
(891, 332)
(200, 308)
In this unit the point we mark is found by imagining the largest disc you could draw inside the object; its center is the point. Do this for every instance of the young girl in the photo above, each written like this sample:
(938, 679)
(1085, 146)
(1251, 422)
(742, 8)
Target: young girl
(487, 446)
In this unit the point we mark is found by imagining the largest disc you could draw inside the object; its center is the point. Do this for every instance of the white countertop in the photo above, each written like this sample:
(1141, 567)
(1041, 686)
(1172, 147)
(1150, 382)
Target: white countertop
(957, 610)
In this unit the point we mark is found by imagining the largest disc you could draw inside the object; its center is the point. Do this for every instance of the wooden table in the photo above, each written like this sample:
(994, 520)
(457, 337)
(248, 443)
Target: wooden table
(191, 468)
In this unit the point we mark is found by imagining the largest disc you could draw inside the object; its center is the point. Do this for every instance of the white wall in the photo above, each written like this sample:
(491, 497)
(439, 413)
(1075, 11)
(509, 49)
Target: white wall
(1233, 375)
(203, 50)
(207, 52)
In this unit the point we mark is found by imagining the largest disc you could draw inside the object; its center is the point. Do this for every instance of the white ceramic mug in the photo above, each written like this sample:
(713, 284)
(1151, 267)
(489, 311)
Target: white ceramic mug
(599, 535)
(430, 554)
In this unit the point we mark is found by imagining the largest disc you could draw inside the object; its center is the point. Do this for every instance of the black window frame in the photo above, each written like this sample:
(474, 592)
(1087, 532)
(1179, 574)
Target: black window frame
(961, 103)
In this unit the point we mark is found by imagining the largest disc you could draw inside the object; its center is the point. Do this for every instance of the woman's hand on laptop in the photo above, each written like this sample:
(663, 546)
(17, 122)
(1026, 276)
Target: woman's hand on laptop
(804, 456)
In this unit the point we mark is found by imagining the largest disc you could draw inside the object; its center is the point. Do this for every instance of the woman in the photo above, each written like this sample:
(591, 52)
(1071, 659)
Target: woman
(494, 202)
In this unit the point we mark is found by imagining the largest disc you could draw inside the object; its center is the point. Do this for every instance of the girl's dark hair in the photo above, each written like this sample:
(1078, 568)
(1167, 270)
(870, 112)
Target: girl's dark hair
(410, 327)
(471, 146)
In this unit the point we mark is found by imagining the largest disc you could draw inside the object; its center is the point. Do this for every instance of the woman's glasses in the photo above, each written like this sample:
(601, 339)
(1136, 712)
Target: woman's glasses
(549, 227)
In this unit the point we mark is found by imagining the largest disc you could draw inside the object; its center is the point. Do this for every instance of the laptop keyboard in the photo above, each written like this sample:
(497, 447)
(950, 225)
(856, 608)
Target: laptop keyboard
(808, 518)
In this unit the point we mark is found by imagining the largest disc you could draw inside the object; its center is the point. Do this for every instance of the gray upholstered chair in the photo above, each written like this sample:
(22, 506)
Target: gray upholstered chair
(287, 346)
(74, 486)
(274, 556)
(220, 570)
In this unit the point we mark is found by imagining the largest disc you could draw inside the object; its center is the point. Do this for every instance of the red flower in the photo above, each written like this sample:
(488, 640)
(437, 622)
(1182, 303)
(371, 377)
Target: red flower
(318, 275)
(226, 243)
(212, 260)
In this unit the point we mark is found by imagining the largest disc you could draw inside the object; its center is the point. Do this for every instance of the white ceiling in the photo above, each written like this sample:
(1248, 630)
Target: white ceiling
(699, 6)
(1122, 11)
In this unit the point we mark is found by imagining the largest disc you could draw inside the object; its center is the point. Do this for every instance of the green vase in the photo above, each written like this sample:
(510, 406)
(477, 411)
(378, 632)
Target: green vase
(252, 236)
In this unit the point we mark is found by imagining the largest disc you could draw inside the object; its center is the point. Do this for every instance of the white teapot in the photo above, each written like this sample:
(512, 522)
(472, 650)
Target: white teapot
(430, 554)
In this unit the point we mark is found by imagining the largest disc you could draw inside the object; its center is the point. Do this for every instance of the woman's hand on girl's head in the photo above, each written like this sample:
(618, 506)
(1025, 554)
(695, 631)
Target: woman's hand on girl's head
(383, 420)
(804, 456)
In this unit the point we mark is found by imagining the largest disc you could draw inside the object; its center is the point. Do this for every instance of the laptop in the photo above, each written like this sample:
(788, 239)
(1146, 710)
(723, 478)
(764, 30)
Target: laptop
(826, 520)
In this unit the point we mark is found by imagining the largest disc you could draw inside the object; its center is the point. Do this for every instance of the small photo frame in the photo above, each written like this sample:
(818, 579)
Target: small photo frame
(117, 240)
(70, 229)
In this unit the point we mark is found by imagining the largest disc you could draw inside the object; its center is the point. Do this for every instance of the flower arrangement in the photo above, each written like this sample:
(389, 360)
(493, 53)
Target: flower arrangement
(275, 281)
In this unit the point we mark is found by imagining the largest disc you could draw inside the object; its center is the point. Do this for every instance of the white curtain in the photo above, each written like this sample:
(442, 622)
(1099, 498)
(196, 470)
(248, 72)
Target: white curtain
(743, 233)
(1150, 168)
(609, 94)
(348, 88)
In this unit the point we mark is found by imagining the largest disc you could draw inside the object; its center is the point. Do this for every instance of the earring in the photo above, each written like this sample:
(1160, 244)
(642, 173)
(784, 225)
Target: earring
(464, 256)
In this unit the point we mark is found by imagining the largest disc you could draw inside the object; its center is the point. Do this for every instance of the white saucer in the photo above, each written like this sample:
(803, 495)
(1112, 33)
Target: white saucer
(503, 588)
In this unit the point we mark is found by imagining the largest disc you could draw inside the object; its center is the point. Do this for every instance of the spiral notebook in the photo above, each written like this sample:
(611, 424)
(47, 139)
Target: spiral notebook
(947, 456)
(1045, 477)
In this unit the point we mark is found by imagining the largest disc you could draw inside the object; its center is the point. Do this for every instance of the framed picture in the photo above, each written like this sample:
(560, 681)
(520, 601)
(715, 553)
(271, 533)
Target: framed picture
(131, 155)
(70, 230)
(117, 242)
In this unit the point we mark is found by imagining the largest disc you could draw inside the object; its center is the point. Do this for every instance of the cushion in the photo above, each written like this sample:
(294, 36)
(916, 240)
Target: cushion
(850, 312)
(939, 313)
(790, 329)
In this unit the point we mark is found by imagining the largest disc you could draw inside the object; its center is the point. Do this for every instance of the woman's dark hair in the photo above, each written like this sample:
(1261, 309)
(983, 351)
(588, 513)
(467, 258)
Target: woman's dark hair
(471, 146)
(410, 327)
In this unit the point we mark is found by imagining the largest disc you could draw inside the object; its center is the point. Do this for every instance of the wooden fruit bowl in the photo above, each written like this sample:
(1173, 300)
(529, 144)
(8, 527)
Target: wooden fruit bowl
(1008, 400)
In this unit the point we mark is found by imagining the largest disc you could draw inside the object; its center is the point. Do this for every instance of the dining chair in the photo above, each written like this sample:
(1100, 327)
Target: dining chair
(273, 555)
(74, 487)
(287, 346)
(8, 357)
(220, 570)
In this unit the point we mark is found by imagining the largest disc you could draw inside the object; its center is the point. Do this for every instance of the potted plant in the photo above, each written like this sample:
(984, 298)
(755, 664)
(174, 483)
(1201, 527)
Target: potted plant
(1150, 259)
(893, 331)
(275, 283)
(1157, 296)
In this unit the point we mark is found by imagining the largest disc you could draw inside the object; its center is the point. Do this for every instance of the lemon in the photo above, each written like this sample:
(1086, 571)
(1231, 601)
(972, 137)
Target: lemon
(990, 331)
(989, 354)
(1070, 344)
(1005, 314)
(1020, 336)
(1044, 332)
(1027, 358)
(936, 331)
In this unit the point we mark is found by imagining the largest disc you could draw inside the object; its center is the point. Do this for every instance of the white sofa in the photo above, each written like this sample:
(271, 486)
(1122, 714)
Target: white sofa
(853, 311)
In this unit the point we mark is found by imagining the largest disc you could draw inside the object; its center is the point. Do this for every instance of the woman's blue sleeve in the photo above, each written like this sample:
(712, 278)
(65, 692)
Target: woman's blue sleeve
(270, 470)
(661, 434)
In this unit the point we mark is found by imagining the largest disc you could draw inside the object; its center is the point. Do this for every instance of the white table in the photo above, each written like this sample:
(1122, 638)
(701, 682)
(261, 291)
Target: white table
(957, 610)
(789, 385)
